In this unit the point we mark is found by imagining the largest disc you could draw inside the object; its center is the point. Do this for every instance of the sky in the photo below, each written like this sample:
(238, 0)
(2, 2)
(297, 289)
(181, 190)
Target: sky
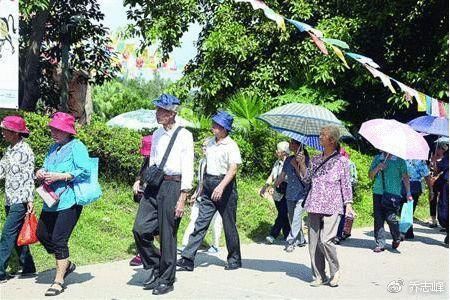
(115, 18)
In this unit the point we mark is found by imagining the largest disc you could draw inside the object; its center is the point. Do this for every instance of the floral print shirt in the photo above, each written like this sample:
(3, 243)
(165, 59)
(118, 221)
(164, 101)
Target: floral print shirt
(17, 167)
(330, 185)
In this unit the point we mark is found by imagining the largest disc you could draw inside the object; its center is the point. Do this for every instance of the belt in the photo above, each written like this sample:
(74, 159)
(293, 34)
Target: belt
(172, 177)
(215, 176)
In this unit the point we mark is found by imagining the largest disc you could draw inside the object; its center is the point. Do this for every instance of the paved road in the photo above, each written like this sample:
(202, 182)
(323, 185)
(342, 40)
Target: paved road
(270, 273)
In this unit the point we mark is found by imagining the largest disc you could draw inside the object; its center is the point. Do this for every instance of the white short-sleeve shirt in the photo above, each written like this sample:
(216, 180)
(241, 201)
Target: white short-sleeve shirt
(220, 156)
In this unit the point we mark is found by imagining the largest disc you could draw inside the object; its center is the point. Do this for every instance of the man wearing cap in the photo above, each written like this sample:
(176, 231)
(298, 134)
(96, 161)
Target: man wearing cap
(167, 201)
(17, 168)
(219, 194)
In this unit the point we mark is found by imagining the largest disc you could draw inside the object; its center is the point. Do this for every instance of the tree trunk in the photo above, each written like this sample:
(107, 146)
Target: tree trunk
(32, 69)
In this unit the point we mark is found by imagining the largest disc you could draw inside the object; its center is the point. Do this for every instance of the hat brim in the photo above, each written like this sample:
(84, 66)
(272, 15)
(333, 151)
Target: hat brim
(173, 107)
(219, 122)
(25, 132)
(62, 128)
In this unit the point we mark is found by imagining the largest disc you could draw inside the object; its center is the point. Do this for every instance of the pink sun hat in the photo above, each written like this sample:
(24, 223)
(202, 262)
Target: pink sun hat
(16, 124)
(64, 122)
(146, 145)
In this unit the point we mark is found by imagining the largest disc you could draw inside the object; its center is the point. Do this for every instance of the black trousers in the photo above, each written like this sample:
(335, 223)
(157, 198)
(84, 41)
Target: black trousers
(380, 215)
(156, 215)
(226, 206)
(54, 230)
(282, 221)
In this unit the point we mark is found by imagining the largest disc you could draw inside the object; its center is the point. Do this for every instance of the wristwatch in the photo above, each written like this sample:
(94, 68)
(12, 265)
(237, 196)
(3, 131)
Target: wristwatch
(185, 191)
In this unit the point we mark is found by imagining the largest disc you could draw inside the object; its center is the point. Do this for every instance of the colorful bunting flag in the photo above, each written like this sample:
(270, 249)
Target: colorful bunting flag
(428, 99)
(336, 42)
(434, 107)
(300, 25)
(319, 43)
(363, 59)
(442, 112)
(384, 78)
(256, 4)
(421, 102)
(279, 19)
(340, 55)
(424, 103)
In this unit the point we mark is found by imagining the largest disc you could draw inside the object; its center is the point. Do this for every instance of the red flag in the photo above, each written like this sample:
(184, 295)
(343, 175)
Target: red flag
(319, 43)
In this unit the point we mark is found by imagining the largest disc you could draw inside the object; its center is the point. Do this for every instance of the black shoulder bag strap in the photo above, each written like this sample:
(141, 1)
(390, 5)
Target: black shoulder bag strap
(315, 171)
(169, 148)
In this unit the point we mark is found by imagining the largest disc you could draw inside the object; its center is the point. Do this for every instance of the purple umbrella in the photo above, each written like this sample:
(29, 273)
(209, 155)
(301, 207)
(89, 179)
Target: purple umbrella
(430, 125)
(395, 138)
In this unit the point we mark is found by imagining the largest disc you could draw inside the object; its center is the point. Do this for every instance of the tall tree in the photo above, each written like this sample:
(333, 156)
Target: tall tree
(240, 50)
(41, 47)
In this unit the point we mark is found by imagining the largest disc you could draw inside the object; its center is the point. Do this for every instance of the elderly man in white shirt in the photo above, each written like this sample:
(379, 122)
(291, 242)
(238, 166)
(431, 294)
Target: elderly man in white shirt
(219, 194)
(161, 209)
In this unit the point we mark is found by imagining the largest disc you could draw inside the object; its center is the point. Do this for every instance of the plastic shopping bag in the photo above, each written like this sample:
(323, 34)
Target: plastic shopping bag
(27, 235)
(406, 218)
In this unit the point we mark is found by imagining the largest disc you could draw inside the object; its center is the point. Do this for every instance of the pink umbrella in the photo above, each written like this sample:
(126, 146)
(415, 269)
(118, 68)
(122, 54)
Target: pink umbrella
(395, 138)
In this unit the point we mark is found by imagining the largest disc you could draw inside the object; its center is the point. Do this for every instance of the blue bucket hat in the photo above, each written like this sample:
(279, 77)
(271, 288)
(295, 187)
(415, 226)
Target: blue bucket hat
(224, 119)
(167, 102)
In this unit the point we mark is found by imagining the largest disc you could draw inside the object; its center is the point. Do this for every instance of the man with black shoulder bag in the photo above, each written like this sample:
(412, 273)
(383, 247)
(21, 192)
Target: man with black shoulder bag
(168, 180)
(388, 173)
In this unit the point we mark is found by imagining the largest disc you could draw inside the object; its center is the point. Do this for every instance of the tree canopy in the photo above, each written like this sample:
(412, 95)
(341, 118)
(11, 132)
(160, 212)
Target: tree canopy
(241, 51)
(41, 36)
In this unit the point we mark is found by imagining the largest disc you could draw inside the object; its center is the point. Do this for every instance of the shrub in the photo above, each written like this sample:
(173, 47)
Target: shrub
(116, 97)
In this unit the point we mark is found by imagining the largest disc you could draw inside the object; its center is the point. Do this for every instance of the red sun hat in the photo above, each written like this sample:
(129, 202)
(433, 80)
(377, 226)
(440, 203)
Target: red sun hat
(64, 122)
(15, 123)
(146, 145)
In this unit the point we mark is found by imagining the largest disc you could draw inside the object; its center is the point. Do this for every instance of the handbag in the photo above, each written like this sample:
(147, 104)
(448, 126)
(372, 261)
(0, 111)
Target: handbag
(388, 200)
(89, 190)
(27, 234)
(154, 175)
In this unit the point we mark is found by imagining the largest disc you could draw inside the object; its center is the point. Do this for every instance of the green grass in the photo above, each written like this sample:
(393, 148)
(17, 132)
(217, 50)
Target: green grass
(103, 232)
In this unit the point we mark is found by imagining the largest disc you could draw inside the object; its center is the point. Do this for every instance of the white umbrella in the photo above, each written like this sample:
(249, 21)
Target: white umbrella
(142, 119)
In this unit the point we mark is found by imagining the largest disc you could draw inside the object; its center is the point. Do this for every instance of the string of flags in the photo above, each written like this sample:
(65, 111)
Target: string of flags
(425, 103)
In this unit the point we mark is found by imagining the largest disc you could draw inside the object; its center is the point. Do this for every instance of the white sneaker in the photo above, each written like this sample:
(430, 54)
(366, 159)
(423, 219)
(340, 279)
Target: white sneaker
(334, 282)
(270, 239)
(318, 282)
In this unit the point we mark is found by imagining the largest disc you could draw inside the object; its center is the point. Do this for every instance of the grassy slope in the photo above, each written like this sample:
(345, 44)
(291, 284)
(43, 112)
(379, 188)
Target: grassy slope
(104, 230)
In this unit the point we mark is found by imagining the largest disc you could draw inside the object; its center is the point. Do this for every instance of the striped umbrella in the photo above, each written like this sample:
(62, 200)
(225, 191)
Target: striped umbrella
(310, 140)
(430, 125)
(306, 119)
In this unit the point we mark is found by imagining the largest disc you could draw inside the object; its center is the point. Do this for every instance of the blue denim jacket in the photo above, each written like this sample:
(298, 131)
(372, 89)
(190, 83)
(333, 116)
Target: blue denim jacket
(72, 158)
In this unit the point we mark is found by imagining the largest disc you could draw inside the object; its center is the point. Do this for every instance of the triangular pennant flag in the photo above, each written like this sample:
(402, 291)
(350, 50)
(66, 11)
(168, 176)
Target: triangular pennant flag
(428, 99)
(300, 26)
(336, 42)
(319, 43)
(434, 107)
(275, 17)
(384, 78)
(363, 59)
(256, 4)
(316, 32)
(340, 55)
(442, 112)
(421, 102)
(410, 91)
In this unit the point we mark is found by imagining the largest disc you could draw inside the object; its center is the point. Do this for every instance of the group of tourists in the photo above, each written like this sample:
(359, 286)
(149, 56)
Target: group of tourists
(320, 186)
(67, 161)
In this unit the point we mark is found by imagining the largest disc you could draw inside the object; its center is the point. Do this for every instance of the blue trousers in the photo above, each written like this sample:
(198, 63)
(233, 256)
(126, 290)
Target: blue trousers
(13, 223)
